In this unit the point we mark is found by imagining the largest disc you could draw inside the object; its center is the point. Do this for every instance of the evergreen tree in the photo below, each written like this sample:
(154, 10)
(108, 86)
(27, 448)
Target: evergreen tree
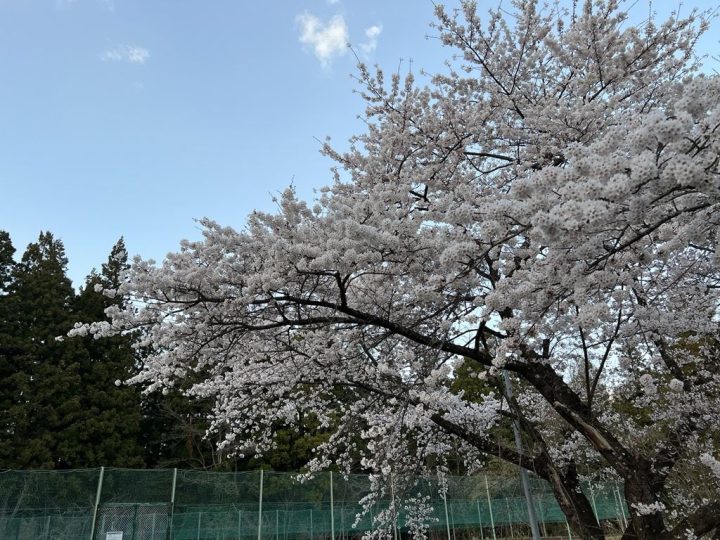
(6, 260)
(8, 349)
(43, 372)
(108, 433)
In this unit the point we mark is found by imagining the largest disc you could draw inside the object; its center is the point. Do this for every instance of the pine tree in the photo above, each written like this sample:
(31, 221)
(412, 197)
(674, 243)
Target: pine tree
(108, 433)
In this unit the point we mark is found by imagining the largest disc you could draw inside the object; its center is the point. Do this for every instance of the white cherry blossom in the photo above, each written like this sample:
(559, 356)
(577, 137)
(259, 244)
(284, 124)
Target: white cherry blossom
(548, 207)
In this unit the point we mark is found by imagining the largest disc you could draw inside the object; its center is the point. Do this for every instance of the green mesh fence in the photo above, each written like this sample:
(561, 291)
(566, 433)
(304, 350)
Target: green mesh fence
(169, 504)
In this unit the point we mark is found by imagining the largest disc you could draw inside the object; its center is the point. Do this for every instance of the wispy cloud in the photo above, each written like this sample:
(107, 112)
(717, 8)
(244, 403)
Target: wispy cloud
(126, 53)
(371, 34)
(327, 40)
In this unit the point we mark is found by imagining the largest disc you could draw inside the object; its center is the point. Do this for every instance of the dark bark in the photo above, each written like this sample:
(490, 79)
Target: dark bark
(565, 484)
(643, 486)
(576, 413)
(574, 504)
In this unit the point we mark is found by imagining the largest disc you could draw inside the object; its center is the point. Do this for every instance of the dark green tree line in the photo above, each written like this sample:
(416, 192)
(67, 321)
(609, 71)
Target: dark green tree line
(60, 406)
(64, 402)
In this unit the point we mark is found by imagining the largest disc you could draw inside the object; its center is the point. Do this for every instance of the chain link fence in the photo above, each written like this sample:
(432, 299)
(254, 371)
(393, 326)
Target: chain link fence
(171, 504)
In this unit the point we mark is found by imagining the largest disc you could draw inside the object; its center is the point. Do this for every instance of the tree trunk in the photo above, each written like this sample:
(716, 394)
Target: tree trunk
(642, 488)
(575, 505)
(649, 527)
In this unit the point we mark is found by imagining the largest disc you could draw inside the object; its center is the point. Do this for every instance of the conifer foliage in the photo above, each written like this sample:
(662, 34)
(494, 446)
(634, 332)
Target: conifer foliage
(61, 407)
(549, 207)
(65, 404)
(110, 430)
(46, 371)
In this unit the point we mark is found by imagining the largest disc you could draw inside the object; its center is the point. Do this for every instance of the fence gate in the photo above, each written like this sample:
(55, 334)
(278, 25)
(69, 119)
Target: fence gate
(134, 521)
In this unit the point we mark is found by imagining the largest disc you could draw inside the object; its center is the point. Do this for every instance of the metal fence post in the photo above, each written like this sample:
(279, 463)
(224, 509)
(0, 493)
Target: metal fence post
(259, 535)
(332, 509)
(542, 516)
(97, 502)
(395, 512)
(622, 506)
(172, 505)
(529, 499)
(447, 518)
(135, 525)
(482, 536)
(492, 519)
(509, 518)
(452, 520)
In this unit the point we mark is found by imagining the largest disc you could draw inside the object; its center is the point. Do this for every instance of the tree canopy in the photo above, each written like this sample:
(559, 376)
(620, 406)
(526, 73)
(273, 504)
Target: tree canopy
(61, 408)
(548, 207)
(64, 403)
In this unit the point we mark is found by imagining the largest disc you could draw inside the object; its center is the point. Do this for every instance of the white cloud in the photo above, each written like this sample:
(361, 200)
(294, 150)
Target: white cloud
(126, 53)
(371, 34)
(327, 40)
(332, 2)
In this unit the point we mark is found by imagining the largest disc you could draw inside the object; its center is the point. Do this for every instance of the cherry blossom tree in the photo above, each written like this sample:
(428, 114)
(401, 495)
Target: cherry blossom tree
(549, 207)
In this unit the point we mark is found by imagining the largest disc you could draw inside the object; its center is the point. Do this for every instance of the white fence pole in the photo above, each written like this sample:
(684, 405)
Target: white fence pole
(594, 506)
(529, 499)
(395, 512)
(542, 516)
(452, 521)
(482, 536)
(259, 535)
(507, 506)
(447, 517)
(332, 509)
(622, 506)
(492, 519)
(97, 502)
(172, 504)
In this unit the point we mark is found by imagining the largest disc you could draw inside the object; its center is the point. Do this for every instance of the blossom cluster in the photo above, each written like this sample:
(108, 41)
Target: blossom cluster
(538, 210)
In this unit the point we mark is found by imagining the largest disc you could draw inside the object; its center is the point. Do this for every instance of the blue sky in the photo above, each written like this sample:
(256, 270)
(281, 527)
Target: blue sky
(134, 117)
